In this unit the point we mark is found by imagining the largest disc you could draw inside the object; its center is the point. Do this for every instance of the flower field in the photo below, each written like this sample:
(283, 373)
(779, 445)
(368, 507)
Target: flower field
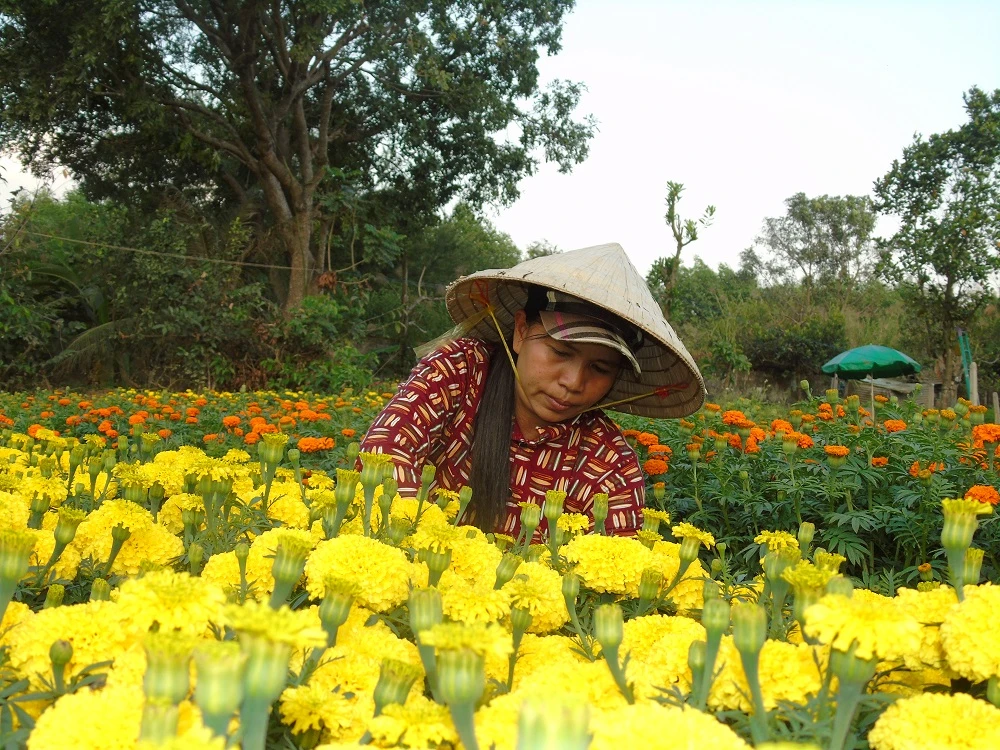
(214, 570)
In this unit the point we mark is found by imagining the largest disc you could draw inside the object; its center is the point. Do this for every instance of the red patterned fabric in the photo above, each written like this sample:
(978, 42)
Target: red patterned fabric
(431, 419)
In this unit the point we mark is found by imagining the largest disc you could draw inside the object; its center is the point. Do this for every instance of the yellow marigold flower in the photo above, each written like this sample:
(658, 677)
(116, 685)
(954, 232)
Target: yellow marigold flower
(936, 720)
(147, 540)
(609, 564)
(651, 725)
(776, 540)
(688, 594)
(829, 561)
(293, 627)
(384, 570)
(473, 603)
(660, 515)
(484, 639)
(658, 648)
(171, 512)
(929, 608)
(881, 629)
(83, 716)
(687, 531)
(312, 706)
(970, 653)
(419, 723)
(788, 673)
(573, 523)
(175, 601)
(805, 575)
(538, 589)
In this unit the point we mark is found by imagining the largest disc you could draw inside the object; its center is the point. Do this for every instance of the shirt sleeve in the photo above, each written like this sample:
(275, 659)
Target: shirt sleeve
(412, 424)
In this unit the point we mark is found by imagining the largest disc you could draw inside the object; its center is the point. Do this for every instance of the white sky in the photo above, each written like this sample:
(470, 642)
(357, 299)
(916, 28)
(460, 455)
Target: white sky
(746, 103)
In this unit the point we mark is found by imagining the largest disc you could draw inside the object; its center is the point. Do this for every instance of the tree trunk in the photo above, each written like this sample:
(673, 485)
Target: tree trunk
(297, 235)
(949, 390)
(670, 282)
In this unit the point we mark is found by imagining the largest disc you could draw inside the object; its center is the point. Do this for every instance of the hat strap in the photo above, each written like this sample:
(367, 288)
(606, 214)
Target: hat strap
(662, 392)
(462, 329)
(503, 340)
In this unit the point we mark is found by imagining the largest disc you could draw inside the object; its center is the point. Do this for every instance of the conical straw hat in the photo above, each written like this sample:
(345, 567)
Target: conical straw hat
(604, 276)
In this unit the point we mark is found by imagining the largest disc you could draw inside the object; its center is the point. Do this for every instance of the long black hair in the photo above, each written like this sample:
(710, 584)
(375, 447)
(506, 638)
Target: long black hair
(490, 475)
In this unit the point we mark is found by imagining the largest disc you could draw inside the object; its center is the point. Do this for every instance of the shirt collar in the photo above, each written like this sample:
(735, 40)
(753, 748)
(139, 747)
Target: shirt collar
(548, 433)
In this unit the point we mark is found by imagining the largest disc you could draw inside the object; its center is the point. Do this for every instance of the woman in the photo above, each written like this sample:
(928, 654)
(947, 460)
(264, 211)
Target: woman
(511, 403)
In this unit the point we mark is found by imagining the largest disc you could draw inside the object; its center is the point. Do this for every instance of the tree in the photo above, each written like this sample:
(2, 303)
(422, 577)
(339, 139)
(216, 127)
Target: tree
(684, 231)
(826, 241)
(945, 192)
(540, 249)
(267, 102)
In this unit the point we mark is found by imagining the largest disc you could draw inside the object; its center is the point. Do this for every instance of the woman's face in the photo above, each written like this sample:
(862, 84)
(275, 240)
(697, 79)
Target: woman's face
(557, 380)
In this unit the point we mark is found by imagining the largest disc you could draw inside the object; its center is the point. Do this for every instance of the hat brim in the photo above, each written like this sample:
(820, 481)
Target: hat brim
(581, 329)
(669, 382)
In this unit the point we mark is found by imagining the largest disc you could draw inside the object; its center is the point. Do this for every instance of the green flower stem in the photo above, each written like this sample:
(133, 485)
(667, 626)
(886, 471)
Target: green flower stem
(779, 591)
(282, 590)
(574, 622)
(366, 520)
(218, 724)
(848, 696)
(429, 661)
(704, 681)
(956, 567)
(462, 716)
(694, 479)
(611, 657)
(512, 659)
(681, 570)
(758, 719)
(253, 723)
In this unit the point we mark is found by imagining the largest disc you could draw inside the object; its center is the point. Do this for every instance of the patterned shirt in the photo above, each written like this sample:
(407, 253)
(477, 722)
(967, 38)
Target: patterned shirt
(431, 419)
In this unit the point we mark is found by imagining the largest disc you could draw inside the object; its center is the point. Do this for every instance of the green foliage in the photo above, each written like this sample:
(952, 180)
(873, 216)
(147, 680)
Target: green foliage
(797, 349)
(945, 190)
(292, 112)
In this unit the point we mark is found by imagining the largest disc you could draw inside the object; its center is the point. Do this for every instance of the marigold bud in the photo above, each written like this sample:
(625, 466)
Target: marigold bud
(545, 726)
(840, 585)
(553, 506)
(749, 628)
(973, 566)
(849, 668)
(15, 553)
(697, 653)
(609, 626)
(100, 590)
(54, 596)
(650, 584)
(168, 659)
(461, 676)
(807, 531)
(69, 520)
(395, 679)
(60, 654)
(335, 607)
(508, 566)
(520, 619)
(715, 615)
(426, 609)
(219, 689)
(571, 586)
(531, 516)
(690, 546)
(600, 509)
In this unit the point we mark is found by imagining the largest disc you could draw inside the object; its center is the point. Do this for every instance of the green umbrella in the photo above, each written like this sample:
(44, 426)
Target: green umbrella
(871, 359)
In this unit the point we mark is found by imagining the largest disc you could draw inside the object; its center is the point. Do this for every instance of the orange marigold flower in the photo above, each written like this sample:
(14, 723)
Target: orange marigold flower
(64, 402)
(837, 451)
(211, 437)
(191, 420)
(894, 425)
(357, 410)
(251, 438)
(647, 438)
(655, 467)
(781, 425)
(735, 441)
(825, 407)
(880, 399)
(191, 411)
(230, 422)
(347, 432)
(286, 421)
(164, 433)
(111, 434)
(84, 404)
(806, 418)
(102, 427)
(33, 430)
(201, 402)
(758, 434)
(660, 449)
(136, 419)
(312, 445)
(732, 417)
(72, 420)
(880, 461)
(984, 493)
(709, 406)
(986, 433)
(840, 411)
(752, 446)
